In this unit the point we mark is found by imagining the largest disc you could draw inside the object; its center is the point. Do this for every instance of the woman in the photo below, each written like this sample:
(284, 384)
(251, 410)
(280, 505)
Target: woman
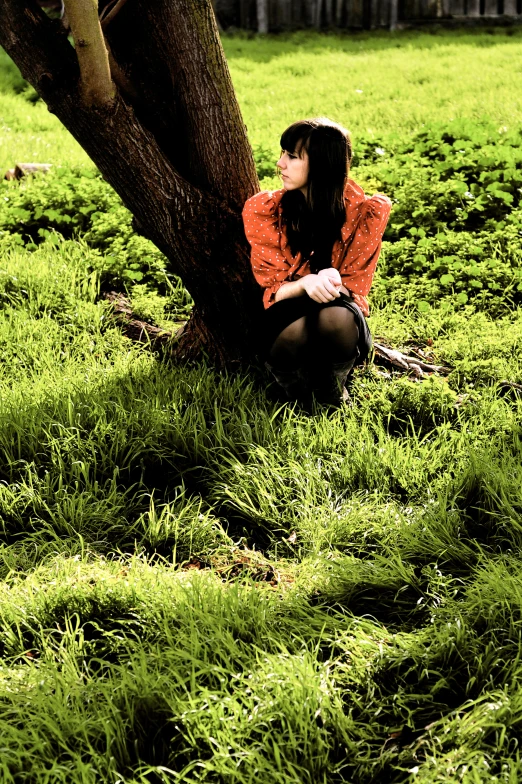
(315, 245)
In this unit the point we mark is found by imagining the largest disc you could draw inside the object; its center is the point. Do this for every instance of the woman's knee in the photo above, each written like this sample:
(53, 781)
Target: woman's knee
(338, 334)
(292, 340)
(331, 321)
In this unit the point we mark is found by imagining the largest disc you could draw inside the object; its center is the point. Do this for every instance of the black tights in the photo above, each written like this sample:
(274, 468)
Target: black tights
(330, 336)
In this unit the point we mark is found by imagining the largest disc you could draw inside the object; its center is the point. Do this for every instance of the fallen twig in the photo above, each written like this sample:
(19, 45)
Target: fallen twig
(511, 384)
(505, 386)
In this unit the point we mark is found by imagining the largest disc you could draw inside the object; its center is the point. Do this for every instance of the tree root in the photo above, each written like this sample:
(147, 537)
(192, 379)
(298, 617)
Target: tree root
(411, 364)
(136, 329)
(143, 332)
(185, 344)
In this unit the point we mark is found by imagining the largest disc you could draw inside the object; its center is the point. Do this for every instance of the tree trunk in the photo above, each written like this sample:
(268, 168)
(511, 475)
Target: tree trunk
(174, 148)
(262, 16)
(318, 14)
(394, 14)
(339, 13)
(328, 12)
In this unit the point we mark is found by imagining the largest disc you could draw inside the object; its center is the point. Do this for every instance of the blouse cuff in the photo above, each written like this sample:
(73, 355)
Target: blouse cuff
(270, 293)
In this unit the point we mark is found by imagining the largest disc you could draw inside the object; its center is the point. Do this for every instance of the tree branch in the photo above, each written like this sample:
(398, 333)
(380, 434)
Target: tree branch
(97, 86)
(107, 16)
(48, 62)
(123, 84)
(118, 75)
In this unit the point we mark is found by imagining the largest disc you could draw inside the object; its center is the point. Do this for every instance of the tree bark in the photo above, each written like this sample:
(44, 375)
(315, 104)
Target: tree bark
(176, 151)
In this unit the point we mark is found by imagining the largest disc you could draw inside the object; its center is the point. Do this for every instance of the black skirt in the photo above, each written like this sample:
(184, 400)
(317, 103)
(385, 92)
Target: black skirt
(279, 315)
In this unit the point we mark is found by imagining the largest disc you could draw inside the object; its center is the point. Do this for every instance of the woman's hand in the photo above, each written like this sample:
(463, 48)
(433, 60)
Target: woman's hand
(333, 274)
(321, 287)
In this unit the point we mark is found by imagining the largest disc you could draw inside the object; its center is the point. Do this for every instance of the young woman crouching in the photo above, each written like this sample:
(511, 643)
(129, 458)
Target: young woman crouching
(315, 245)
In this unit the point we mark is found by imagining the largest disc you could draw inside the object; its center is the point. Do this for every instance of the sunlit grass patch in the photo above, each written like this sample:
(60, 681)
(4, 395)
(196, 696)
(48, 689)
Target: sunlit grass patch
(200, 585)
(365, 73)
(197, 580)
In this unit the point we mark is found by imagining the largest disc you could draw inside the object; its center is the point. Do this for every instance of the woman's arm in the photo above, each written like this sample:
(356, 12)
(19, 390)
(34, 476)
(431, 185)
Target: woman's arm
(270, 266)
(357, 267)
(320, 288)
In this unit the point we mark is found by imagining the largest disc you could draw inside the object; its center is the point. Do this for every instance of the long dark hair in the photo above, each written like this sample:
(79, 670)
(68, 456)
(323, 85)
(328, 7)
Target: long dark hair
(313, 223)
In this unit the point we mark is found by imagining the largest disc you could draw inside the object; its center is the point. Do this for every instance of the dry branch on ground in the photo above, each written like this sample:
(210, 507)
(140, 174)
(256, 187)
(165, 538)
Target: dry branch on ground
(21, 169)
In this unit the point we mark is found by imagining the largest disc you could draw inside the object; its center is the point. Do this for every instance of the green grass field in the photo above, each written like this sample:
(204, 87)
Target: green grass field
(198, 585)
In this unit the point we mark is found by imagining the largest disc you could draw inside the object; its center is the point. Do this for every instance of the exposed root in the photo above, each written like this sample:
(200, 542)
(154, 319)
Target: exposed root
(410, 364)
(186, 344)
(134, 328)
(142, 331)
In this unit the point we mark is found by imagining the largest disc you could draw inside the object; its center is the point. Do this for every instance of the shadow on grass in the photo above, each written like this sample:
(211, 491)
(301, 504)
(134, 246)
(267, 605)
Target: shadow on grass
(118, 464)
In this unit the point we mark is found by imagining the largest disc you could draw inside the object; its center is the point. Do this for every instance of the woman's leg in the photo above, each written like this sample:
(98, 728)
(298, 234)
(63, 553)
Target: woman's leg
(286, 358)
(337, 336)
(288, 348)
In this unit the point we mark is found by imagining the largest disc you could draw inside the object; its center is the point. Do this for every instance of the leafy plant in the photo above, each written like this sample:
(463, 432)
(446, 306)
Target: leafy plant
(481, 268)
(76, 202)
(461, 176)
(456, 225)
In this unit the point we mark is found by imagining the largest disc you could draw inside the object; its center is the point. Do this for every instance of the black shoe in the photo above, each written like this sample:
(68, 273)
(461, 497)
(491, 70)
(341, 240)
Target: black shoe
(293, 383)
(329, 389)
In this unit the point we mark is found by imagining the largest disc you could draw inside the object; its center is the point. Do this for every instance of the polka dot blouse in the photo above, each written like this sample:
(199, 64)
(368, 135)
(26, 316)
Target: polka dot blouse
(355, 256)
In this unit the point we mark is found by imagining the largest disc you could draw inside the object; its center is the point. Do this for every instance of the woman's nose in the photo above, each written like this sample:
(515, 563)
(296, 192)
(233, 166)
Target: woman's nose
(280, 163)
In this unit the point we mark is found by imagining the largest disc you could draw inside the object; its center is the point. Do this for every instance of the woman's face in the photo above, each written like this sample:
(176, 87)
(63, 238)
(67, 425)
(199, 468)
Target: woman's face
(294, 170)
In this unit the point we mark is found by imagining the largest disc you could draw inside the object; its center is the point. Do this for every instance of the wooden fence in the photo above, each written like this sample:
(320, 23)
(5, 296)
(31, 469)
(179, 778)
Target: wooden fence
(279, 15)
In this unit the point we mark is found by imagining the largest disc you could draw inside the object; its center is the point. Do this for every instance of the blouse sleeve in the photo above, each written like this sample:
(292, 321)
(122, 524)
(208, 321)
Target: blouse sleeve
(269, 265)
(360, 260)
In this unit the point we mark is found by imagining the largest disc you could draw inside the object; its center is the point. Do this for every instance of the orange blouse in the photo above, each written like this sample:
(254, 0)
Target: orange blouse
(355, 256)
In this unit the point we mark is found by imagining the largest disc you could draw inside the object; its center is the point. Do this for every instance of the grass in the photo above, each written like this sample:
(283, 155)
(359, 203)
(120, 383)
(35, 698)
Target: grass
(376, 82)
(29, 132)
(199, 585)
